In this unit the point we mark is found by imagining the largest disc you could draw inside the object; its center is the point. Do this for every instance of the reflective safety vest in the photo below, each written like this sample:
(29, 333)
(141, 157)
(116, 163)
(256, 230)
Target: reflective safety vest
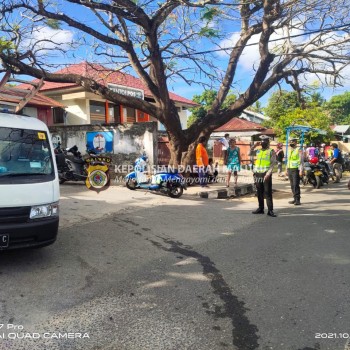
(293, 159)
(263, 161)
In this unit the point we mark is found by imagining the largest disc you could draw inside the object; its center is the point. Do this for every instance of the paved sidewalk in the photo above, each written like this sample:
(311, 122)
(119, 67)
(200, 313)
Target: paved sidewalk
(245, 186)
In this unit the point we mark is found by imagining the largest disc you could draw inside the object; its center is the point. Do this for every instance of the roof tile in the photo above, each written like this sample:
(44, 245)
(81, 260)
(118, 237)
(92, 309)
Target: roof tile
(105, 76)
(14, 95)
(238, 124)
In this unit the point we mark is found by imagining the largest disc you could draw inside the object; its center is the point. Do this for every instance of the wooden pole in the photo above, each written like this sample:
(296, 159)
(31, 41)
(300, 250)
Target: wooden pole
(106, 113)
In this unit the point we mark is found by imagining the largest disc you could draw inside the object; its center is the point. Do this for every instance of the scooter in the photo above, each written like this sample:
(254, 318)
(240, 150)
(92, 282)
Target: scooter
(170, 183)
(93, 170)
(315, 173)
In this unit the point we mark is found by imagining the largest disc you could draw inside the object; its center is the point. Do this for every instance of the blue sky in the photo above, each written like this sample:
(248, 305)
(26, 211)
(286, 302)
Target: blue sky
(243, 77)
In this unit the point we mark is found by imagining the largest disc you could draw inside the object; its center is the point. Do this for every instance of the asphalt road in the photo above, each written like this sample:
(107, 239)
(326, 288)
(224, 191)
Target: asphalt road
(135, 271)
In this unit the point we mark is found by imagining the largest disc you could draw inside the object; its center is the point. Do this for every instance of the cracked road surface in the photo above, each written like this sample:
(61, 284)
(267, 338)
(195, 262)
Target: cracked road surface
(135, 271)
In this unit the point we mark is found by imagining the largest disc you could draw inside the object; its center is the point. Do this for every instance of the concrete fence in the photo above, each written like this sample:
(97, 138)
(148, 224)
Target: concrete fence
(122, 142)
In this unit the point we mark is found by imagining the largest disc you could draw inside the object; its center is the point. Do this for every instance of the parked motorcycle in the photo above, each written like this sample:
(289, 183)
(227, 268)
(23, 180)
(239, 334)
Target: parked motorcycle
(93, 170)
(346, 162)
(335, 170)
(316, 173)
(170, 183)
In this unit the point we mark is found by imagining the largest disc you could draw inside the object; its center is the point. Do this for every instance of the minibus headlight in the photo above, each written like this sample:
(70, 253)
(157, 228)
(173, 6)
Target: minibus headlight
(44, 211)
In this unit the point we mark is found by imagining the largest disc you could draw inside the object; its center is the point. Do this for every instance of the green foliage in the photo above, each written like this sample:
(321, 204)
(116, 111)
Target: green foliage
(209, 32)
(53, 23)
(5, 44)
(205, 100)
(316, 99)
(284, 102)
(209, 14)
(315, 117)
(280, 103)
(285, 110)
(338, 108)
(257, 107)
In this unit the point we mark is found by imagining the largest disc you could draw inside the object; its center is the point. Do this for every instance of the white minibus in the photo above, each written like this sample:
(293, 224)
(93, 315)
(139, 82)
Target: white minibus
(29, 186)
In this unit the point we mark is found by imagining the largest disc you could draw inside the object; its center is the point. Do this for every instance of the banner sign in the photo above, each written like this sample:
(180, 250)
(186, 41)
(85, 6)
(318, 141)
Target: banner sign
(126, 91)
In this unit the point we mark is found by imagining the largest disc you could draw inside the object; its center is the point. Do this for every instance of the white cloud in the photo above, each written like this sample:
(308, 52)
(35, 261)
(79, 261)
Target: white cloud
(46, 38)
(250, 56)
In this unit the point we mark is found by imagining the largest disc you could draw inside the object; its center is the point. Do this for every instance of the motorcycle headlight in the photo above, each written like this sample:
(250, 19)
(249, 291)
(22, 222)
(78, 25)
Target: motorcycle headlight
(44, 211)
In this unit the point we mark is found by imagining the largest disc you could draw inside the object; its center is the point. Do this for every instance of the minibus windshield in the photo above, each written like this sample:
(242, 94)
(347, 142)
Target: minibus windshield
(25, 156)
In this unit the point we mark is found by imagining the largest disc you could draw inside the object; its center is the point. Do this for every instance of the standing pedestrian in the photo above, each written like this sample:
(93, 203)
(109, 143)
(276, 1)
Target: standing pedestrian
(311, 151)
(225, 144)
(336, 161)
(329, 151)
(279, 158)
(233, 162)
(294, 169)
(323, 151)
(263, 167)
(202, 161)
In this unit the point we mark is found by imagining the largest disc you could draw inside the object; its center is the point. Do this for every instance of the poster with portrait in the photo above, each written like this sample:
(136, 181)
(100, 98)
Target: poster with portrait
(100, 141)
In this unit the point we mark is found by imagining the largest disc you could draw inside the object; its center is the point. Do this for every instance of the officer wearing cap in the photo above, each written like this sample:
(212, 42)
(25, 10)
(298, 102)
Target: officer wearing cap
(294, 169)
(263, 167)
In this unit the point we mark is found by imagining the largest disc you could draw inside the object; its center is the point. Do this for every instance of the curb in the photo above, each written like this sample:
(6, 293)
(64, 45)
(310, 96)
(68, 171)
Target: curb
(227, 193)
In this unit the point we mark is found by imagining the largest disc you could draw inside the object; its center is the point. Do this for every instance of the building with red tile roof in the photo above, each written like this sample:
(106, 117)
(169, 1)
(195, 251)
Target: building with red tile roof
(38, 106)
(238, 127)
(87, 108)
(238, 124)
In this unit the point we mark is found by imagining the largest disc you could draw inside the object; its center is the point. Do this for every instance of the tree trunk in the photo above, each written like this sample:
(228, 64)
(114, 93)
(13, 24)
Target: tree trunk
(177, 146)
(189, 156)
(183, 152)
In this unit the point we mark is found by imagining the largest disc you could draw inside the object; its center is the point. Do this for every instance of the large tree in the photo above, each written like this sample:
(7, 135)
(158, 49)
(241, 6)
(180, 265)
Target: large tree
(171, 39)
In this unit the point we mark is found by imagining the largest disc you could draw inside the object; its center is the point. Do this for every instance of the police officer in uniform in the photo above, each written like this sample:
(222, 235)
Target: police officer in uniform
(263, 167)
(294, 169)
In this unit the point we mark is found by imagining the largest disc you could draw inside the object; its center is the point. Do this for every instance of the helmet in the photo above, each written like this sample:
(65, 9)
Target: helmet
(314, 160)
(279, 145)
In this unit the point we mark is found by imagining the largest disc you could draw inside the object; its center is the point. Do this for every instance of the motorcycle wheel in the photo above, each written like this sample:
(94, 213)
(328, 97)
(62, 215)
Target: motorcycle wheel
(175, 190)
(318, 181)
(131, 184)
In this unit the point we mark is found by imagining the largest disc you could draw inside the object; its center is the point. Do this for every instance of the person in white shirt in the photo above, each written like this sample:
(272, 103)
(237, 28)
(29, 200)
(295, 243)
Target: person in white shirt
(225, 145)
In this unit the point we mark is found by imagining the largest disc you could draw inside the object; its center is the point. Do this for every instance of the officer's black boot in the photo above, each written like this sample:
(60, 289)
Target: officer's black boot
(297, 202)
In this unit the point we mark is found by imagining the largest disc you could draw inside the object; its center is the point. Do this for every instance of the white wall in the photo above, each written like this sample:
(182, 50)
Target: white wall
(124, 143)
(78, 113)
(129, 140)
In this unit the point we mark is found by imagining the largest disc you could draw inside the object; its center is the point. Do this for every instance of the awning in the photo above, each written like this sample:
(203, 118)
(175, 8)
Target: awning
(341, 128)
